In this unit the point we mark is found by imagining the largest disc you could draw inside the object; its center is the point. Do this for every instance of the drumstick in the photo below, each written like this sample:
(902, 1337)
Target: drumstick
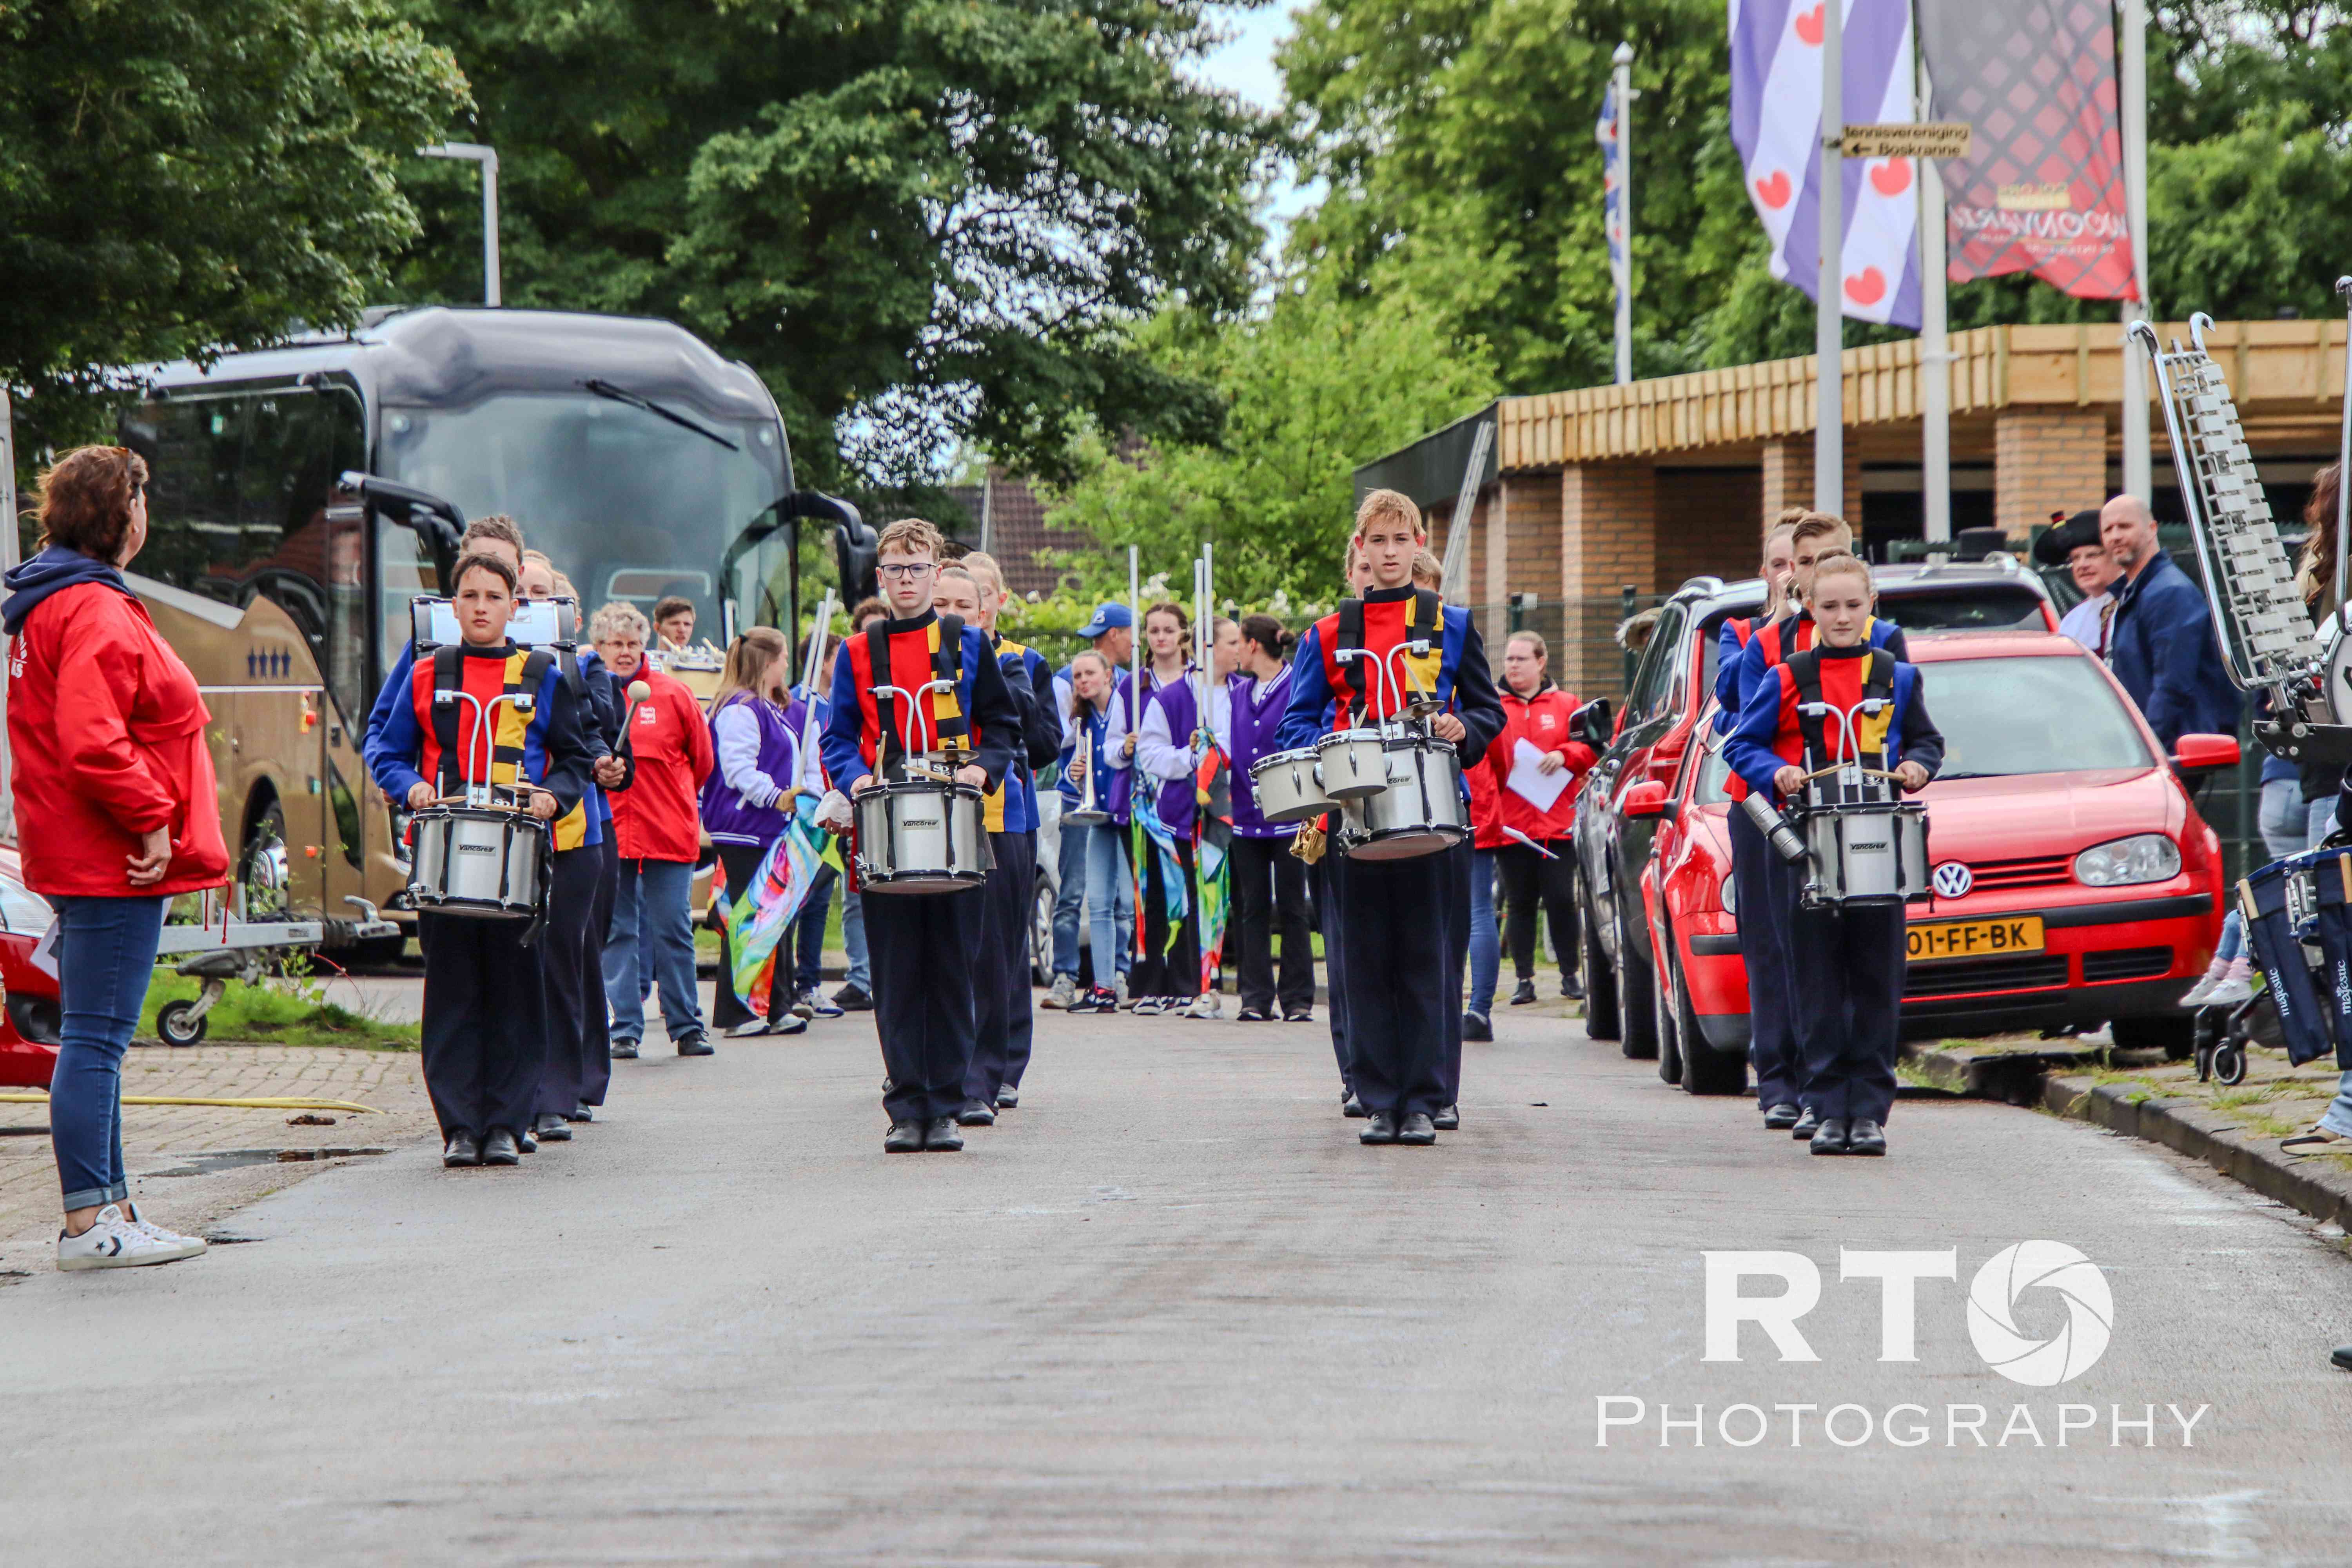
(1515, 833)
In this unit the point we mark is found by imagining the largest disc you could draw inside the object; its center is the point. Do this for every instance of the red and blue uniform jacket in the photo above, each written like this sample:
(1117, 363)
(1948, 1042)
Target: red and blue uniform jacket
(1770, 732)
(977, 716)
(1327, 695)
(548, 747)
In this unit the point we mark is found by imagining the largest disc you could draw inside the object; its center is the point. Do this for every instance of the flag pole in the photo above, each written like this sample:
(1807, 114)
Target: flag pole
(1829, 320)
(2138, 477)
(1935, 339)
(1623, 87)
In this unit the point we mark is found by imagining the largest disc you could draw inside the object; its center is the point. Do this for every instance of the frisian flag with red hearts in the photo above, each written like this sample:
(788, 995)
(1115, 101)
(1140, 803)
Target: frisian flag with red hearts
(1776, 124)
(2042, 191)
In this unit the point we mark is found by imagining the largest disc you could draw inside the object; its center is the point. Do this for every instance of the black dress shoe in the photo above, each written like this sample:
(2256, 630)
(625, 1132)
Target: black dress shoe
(942, 1137)
(624, 1050)
(1477, 1027)
(2341, 1356)
(1008, 1098)
(853, 999)
(583, 1111)
(1380, 1127)
(1864, 1136)
(697, 1045)
(500, 1148)
(523, 1142)
(1447, 1120)
(1349, 1105)
(1807, 1123)
(1571, 987)
(551, 1128)
(1780, 1118)
(975, 1113)
(904, 1138)
(1832, 1138)
(1524, 995)
(463, 1149)
(1417, 1128)
(1299, 1016)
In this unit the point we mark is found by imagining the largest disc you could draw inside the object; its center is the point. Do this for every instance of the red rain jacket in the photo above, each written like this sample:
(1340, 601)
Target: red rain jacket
(106, 731)
(657, 817)
(1541, 721)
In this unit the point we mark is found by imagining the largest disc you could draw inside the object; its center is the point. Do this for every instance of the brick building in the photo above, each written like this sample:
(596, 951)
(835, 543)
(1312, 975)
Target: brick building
(1588, 493)
(1008, 520)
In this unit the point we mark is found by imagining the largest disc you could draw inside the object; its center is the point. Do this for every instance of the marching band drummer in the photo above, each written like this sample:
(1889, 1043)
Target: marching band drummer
(1400, 934)
(485, 1025)
(922, 944)
(1330, 868)
(1845, 966)
(1785, 629)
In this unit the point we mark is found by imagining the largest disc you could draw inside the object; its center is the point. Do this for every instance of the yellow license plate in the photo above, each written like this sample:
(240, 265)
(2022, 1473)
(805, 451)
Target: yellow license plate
(1975, 939)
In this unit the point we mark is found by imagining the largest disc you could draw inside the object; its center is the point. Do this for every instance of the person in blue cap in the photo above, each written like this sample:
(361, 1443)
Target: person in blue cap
(1110, 631)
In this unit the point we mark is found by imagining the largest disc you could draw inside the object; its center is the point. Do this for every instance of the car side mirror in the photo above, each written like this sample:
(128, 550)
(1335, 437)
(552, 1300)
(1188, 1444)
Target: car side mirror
(2204, 753)
(1648, 798)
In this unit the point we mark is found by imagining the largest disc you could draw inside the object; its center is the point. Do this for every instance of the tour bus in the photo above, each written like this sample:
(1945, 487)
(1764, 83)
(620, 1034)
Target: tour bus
(300, 498)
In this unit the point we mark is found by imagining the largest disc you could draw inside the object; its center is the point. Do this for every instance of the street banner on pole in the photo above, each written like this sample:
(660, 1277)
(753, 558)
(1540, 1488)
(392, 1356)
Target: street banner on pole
(2041, 189)
(1610, 133)
(1776, 124)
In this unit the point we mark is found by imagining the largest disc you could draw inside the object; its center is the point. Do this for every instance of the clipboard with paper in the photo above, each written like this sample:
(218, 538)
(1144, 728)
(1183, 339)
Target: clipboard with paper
(1529, 781)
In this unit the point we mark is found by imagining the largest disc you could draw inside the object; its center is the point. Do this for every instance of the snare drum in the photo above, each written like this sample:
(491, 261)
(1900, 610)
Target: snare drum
(478, 862)
(1419, 811)
(1875, 853)
(919, 837)
(1288, 787)
(1353, 764)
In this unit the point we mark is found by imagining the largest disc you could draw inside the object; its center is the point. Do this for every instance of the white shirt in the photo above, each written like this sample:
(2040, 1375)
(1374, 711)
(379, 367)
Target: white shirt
(2082, 622)
(1157, 753)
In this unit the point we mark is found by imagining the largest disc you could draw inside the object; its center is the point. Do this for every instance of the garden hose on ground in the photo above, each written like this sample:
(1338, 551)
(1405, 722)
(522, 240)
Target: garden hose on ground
(264, 1103)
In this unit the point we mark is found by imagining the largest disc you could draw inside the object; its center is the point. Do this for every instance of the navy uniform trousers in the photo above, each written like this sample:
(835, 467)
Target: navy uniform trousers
(1330, 900)
(1768, 886)
(922, 947)
(1847, 1006)
(485, 1022)
(560, 954)
(596, 1041)
(1003, 1007)
(1403, 979)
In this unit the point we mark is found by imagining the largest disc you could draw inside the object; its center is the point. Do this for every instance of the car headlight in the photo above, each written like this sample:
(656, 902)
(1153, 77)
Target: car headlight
(1730, 896)
(2142, 857)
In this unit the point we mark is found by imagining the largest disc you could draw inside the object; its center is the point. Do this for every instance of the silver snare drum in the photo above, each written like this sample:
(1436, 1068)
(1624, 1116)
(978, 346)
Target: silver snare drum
(1866, 854)
(1420, 811)
(1288, 787)
(478, 862)
(920, 838)
(1354, 764)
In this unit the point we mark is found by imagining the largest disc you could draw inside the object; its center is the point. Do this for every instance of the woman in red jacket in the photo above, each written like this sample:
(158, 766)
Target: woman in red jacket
(1535, 858)
(116, 812)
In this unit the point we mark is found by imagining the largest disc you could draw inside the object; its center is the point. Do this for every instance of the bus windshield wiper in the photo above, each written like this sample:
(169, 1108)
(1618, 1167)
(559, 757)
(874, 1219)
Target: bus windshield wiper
(603, 388)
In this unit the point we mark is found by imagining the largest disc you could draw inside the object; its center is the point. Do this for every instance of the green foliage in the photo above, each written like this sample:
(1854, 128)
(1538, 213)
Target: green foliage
(288, 1012)
(1315, 386)
(921, 221)
(185, 175)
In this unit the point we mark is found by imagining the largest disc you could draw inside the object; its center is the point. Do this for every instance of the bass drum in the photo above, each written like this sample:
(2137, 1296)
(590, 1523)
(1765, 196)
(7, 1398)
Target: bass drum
(1420, 810)
(919, 837)
(478, 862)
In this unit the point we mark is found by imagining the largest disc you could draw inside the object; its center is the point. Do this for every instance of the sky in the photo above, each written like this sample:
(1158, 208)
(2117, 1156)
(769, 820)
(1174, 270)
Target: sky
(1246, 66)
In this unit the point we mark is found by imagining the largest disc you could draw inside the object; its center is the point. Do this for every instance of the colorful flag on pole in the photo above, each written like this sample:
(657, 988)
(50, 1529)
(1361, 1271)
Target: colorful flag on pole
(1212, 837)
(2042, 190)
(1776, 124)
(756, 917)
(1613, 194)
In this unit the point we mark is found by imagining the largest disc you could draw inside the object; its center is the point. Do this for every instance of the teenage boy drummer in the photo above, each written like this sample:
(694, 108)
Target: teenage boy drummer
(922, 944)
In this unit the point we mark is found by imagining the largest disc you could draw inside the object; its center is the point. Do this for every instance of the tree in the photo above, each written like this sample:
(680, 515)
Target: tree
(183, 176)
(921, 221)
(1314, 385)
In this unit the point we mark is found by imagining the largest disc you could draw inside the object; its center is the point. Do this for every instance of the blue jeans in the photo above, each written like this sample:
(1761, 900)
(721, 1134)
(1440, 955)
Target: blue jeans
(2283, 818)
(1110, 900)
(2339, 1116)
(2320, 823)
(1069, 897)
(106, 954)
(652, 914)
(853, 940)
(808, 930)
(1485, 939)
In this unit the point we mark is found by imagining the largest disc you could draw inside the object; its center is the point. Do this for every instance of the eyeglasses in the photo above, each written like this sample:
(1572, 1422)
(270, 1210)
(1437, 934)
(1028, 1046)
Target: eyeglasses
(909, 572)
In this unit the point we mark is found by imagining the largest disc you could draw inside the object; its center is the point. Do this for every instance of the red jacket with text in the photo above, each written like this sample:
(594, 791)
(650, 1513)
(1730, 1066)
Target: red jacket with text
(657, 817)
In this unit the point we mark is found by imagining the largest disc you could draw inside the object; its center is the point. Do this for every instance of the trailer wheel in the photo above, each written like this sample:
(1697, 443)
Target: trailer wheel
(172, 1023)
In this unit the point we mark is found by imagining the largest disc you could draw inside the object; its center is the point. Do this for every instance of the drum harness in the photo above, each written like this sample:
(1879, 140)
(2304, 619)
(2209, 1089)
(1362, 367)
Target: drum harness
(898, 761)
(521, 694)
(1877, 710)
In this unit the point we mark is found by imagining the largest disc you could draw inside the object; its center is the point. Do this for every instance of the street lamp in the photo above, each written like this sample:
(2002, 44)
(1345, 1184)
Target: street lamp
(474, 151)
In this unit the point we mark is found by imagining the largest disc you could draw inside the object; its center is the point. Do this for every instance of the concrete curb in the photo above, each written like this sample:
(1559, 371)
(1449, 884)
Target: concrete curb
(2315, 1187)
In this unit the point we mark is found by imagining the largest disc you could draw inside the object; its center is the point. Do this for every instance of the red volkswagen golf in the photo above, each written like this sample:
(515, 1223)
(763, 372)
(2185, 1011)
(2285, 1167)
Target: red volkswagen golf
(2074, 882)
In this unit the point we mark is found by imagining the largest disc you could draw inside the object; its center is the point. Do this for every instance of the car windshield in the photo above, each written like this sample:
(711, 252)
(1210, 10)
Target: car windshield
(627, 504)
(1984, 606)
(2005, 717)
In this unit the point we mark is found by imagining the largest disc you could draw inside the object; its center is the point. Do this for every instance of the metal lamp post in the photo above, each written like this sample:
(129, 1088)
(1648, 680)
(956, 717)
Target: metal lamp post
(475, 152)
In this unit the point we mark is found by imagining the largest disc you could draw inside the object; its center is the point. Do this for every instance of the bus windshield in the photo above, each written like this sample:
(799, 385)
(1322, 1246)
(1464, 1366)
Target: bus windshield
(627, 504)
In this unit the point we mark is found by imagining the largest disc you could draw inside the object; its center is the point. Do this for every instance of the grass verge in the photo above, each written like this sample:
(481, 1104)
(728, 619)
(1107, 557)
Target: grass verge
(275, 1013)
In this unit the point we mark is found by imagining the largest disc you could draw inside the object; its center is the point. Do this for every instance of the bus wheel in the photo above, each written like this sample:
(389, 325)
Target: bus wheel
(263, 872)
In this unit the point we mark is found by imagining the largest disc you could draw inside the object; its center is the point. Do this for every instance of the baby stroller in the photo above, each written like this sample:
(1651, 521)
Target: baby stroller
(2298, 915)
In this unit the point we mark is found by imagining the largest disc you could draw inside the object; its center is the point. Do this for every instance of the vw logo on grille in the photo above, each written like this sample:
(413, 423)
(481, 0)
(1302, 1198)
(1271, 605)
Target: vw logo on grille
(1953, 879)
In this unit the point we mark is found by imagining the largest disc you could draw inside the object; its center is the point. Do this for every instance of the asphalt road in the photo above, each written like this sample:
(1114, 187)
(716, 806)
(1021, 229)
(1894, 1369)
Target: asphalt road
(1170, 1311)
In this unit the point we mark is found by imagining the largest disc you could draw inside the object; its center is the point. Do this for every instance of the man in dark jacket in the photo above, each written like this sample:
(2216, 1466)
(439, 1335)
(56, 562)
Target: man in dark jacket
(2161, 644)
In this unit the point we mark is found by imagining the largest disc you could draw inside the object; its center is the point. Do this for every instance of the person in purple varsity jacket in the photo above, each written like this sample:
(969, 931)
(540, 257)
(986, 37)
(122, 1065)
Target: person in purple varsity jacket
(1269, 882)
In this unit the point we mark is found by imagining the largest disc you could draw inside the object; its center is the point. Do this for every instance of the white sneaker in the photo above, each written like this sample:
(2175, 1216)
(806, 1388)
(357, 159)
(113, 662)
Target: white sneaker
(790, 1024)
(1064, 992)
(2202, 992)
(170, 1237)
(2235, 986)
(749, 1028)
(114, 1242)
(1205, 1006)
(1119, 987)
